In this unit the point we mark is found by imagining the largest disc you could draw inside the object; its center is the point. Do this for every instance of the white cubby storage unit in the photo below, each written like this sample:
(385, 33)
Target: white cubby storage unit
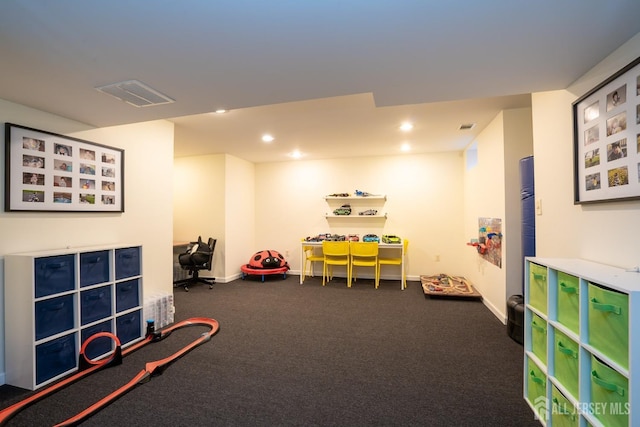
(55, 300)
(582, 343)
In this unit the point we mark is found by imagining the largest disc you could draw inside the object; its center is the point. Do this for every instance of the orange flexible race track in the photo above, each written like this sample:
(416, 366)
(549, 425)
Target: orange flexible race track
(88, 367)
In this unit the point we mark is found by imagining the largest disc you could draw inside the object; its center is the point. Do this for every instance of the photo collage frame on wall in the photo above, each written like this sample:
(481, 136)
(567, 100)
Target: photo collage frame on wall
(51, 172)
(607, 139)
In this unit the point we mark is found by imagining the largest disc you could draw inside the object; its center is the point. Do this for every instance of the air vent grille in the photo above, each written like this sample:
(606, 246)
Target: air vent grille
(467, 126)
(135, 93)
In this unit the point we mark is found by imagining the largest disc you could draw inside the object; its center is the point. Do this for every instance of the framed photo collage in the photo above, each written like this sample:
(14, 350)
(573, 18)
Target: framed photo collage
(50, 172)
(607, 139)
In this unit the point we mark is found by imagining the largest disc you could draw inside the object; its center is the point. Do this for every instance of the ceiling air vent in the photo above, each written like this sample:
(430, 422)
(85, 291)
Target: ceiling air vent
(135, 93)
(466, 126)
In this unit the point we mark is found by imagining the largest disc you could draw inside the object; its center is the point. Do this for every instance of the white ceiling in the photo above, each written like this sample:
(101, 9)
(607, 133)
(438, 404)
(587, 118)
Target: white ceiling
(332, 78)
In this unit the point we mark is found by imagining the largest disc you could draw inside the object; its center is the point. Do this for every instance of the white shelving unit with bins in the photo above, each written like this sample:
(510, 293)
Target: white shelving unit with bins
(358, 204)
(55, 300)
(582, 343)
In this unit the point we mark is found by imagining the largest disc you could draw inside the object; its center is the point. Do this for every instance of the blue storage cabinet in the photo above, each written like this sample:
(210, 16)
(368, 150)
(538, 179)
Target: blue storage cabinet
(56, 300)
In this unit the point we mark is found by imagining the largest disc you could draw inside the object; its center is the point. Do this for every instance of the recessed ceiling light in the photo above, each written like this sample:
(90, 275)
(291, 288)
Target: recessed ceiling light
(296, 154)
(406, 126)
(405, 147)
(221, 111)
(267, 138)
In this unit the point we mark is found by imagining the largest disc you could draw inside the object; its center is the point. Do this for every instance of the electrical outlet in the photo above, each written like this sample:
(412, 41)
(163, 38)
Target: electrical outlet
(286, 254)
(437, 258)
(538, 206)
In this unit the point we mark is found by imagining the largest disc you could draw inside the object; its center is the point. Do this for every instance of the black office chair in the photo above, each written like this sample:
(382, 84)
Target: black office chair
(197, 257)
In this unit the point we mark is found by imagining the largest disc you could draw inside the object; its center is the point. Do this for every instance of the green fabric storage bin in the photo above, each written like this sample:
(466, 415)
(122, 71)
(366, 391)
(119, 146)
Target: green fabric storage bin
(609, 323)
(539, 337)
(566, 363)
(537, 389)
(538, 287)
(569, 301)
(563, 413)
(609, 395)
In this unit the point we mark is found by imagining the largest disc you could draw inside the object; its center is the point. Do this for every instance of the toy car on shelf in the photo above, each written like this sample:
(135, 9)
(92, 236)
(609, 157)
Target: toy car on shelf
(318, 238)
(390, 238)
(353, 238)
(336, 238)
(343, 210)
(363, 194)
(370, 238)
(368, 212)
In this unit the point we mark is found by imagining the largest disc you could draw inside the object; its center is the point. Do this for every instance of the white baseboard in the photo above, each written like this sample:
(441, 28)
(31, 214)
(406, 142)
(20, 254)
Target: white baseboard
(499, 314)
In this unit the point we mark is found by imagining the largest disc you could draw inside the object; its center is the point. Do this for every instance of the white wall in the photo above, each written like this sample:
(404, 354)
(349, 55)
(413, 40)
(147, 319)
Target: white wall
(603, 232)
(148, 217)
(492, 190)
(424, 204)
(214, 197)
(484, 197)
(240, 215)
(148, 199)
(199, 203)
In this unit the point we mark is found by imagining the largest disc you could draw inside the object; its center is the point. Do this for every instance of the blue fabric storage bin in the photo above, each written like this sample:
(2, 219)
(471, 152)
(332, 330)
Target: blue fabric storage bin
(127, 295)
(95, 304)
(53, 316)
(54, 274)
(55, 357)
(94, 268)
(101, 345)
(127, 262)
(128, 327)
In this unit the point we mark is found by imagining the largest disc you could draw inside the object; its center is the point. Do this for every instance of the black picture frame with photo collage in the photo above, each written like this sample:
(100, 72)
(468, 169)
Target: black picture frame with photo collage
(606, 123)
(49, 172)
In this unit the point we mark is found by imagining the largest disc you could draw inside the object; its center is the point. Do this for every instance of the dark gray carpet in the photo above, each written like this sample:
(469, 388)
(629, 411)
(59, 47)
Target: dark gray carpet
(304, 355)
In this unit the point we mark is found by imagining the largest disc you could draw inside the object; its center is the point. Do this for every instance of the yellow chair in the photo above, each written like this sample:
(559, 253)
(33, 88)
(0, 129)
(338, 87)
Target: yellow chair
(364, 254)
(309, 258)
(335, 253)
(397, 261)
